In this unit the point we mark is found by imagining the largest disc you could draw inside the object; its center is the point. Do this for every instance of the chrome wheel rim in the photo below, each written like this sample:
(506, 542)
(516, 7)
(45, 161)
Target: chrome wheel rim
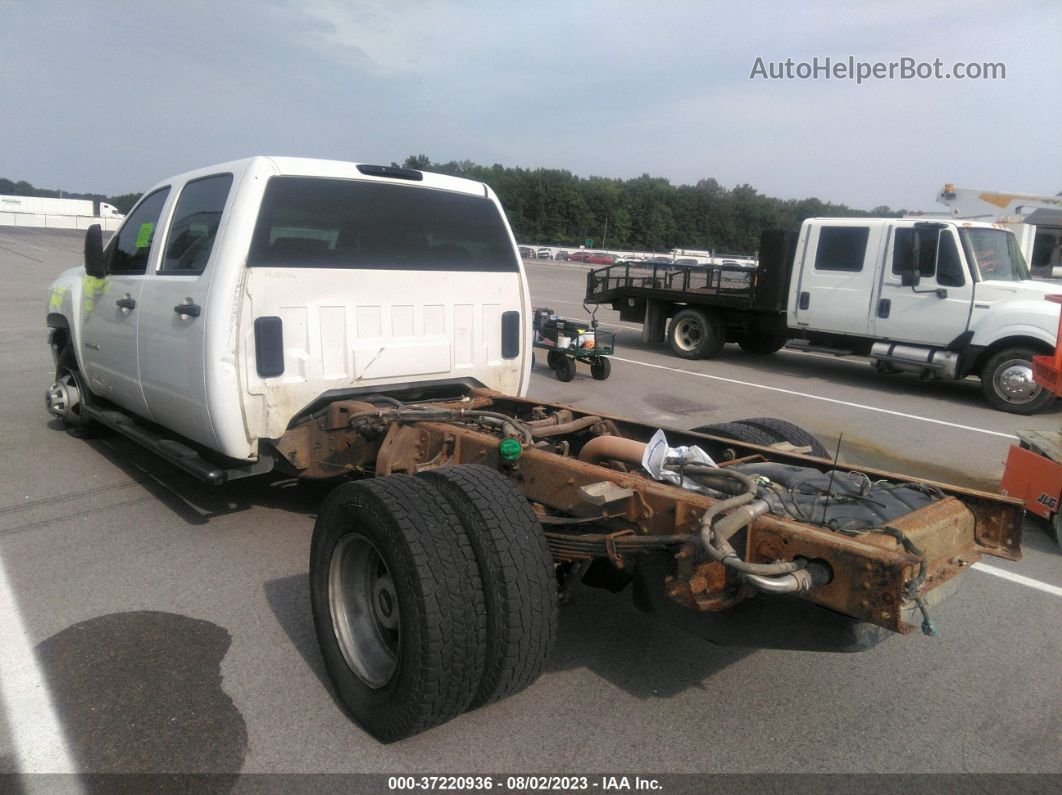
(1014, 382)
(688, 334)
(363, 603)
(63, 399)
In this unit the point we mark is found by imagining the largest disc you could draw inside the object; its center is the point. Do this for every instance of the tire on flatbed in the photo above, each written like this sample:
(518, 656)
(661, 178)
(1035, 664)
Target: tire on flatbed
(788, 432)
(516, 568)
(398, 605)
(738, 432)
(696, 334)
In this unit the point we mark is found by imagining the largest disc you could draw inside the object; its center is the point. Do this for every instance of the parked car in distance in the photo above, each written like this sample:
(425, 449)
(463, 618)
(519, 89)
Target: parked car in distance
(579, 256)
(599, 258)
(527, 253)
(545, 253)
(562, 255)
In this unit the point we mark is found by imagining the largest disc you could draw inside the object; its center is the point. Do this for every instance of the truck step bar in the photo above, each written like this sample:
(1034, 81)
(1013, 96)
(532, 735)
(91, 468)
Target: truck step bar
(808, 345)
(177, 453)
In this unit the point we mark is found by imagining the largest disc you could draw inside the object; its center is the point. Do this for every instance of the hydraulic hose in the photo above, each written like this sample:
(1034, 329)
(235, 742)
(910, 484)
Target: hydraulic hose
(802, 581)
(568, 427)
(412, 414)
(715, 540)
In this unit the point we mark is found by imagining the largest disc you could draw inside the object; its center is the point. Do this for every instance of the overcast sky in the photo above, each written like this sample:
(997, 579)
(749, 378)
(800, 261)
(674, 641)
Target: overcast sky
(111, 96)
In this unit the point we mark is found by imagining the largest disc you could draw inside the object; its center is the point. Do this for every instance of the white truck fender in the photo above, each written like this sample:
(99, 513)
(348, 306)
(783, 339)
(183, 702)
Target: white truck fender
(1030, 319)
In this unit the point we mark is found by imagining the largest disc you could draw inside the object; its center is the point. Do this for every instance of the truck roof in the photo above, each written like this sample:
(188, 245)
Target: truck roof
(333, 169)
(911, 219)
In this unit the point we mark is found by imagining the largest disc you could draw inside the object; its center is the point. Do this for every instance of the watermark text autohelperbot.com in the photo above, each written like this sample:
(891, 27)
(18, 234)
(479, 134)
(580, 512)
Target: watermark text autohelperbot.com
(849, 68)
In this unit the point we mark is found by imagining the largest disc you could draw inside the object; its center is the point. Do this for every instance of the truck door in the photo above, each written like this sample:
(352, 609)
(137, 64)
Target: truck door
(836, 278)
(926, 293)
(111, 308)
(173, 316)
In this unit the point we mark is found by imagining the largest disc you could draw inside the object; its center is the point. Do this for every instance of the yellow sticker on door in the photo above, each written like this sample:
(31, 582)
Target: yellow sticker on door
(143, 235)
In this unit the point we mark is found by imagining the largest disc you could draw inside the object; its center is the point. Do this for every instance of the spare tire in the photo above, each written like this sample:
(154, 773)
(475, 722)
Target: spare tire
(784, 431)
(738, 432)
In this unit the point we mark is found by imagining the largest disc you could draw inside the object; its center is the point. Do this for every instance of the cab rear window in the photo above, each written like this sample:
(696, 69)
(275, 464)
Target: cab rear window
(309, 222)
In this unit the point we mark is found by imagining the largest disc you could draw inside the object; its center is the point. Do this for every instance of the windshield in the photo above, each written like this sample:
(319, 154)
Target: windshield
(995, 254)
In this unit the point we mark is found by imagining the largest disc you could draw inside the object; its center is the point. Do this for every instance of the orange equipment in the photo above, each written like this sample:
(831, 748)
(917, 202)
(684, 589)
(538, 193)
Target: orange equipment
(1034, 468)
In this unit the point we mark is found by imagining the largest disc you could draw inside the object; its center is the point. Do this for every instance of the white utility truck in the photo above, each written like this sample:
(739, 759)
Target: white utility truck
(942, 299)
(1036, 221)
(371, 325)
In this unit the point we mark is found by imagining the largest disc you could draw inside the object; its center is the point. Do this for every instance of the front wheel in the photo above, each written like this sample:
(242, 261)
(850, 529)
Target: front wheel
(601, 368)
(398, 605)
(1008, 385)
(65, 398)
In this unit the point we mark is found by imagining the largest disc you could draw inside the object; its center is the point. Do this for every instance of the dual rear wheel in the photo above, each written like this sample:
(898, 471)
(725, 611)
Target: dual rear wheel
(431, 595)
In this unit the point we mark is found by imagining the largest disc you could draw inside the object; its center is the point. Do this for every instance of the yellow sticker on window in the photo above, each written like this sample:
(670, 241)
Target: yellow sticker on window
(143, 236)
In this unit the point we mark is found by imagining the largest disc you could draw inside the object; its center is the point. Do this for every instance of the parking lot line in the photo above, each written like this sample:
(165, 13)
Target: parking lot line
(1026, 581)
(36, 733)
(835, 401)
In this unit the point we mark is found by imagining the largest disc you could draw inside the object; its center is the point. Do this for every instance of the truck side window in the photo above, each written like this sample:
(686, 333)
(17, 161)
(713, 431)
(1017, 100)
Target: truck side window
(133, 243)
(841, 248)
(915, 249)
(949, 266)
(195, 225)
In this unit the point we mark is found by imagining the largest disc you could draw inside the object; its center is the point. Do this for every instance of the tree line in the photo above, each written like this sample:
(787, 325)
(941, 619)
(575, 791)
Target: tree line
(554, 206)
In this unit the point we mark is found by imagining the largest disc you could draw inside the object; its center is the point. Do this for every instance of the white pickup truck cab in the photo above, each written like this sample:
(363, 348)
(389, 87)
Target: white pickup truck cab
(235, 296)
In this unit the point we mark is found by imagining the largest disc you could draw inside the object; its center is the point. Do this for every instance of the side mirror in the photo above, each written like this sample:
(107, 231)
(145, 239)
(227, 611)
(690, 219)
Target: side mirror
(94, 264)
(910, 278)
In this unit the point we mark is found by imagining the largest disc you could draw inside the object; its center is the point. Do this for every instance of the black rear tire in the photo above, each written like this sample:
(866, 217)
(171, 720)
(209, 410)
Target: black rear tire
(553, 358)
(784, 431)
(601, 368)
(565, 369)
(517, 573)
(762, 344)
(398, 605)
(696, 334)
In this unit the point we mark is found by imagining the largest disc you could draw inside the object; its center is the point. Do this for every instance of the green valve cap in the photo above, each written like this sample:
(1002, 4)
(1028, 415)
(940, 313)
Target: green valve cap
(509, 450)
